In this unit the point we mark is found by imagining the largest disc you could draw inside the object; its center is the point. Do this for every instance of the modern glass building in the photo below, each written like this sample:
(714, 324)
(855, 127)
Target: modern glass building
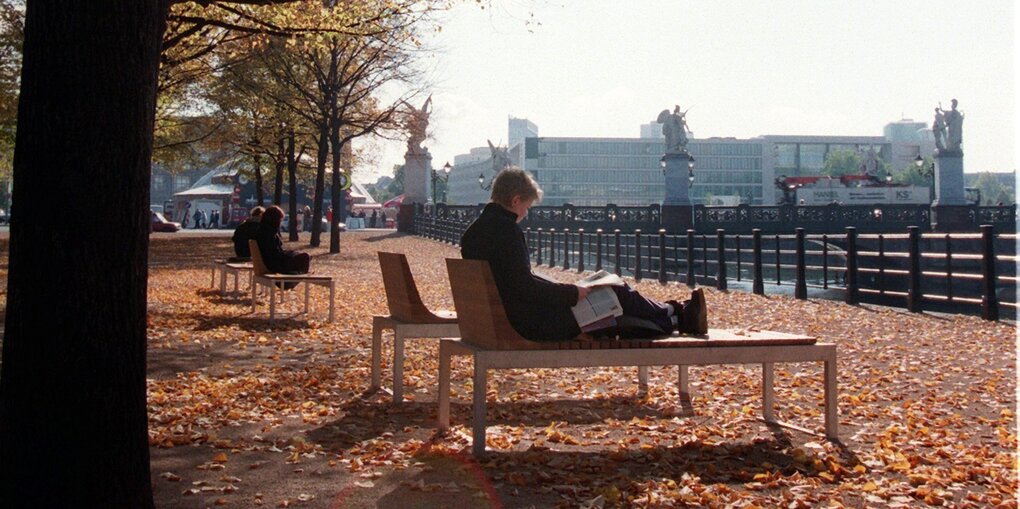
(626, 171)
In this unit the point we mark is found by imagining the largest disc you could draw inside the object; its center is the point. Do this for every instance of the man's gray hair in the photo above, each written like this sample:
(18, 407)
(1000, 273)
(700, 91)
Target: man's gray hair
(515, 182)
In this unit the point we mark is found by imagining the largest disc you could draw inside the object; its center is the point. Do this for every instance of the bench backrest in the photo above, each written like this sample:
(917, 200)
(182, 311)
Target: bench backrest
(402, 295)
(258, 266)
(482, 319)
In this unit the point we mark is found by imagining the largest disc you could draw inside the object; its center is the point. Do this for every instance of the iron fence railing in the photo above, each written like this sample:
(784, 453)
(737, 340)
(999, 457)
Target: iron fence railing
(958, 272)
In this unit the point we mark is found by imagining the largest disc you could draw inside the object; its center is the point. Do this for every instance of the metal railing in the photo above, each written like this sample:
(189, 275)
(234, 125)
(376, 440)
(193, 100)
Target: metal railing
(967, 272)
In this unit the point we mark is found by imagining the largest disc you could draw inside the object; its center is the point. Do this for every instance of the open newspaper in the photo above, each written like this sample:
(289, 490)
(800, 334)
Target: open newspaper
(601, 307)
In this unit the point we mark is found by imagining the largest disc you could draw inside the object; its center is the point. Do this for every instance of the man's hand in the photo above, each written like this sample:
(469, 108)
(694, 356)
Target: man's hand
(582, 293)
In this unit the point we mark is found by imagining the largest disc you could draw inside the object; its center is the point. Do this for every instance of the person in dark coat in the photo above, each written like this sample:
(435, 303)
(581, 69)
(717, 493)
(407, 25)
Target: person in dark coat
(248, 230)
(539, 309)
(278, 260)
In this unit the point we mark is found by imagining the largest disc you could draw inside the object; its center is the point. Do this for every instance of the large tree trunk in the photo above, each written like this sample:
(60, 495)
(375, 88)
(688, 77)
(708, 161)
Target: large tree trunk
(73, 425)
(292, 162)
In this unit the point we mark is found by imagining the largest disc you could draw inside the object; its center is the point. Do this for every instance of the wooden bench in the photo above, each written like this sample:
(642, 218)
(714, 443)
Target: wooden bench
(262, 276)
(486, 335)
(408, 318)
(227, 267)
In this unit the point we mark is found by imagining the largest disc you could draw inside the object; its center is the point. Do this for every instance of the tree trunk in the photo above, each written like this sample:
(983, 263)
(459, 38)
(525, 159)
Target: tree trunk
(320, 185)
(73, 423)
(259, 195)
(281, 162)
(292, 175)
(334, 190)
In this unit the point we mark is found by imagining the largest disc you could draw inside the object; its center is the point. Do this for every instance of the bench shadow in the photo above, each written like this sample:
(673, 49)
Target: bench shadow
(366, 417)
(391, 235)
(247, 322)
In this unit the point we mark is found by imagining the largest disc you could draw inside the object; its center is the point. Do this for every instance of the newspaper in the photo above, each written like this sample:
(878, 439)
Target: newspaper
(600, 308)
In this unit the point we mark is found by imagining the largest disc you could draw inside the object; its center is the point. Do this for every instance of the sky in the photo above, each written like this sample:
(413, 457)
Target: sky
(601, 68)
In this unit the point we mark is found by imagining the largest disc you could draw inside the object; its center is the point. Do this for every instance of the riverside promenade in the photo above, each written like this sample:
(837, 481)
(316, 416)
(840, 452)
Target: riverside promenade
(244, 414)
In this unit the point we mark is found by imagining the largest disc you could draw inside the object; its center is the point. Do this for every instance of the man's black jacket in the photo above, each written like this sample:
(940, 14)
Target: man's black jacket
(537, 308)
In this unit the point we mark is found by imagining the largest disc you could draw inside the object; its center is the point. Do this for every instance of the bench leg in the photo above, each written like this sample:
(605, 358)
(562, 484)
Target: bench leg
(831, 412)
(768, 397)
(212, 284)
(272, 300)
(308, 287)
(377, 328)
(223, 280)
(254, 290)
(445, 356)
(398, 365)
(237, 286)
(332, 293)
(684, 385)
(478, 408)
(642, 377)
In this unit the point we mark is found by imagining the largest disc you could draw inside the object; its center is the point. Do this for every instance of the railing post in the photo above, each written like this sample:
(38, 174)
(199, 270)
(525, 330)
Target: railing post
(598, 249)
(538, 241)
(566, 248)
(758, 283)
(800, 287)
(825, 261)
(552, 247)
(949, 270)
(914, 284)
(852, 291)
(616, 235)
(738, 257)
(662, 256)
(690, 259)
(720, 259)
(989, 302)
(580, 250)
(637, 255)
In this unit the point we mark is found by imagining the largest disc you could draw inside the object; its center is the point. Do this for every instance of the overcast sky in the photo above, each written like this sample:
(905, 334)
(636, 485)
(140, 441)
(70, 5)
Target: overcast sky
(601, 68)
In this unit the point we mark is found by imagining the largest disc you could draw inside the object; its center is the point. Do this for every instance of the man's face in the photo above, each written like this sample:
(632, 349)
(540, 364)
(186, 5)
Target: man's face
(520, 207)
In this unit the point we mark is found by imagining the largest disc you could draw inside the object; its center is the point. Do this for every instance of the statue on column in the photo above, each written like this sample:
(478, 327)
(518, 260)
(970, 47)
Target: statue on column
(938, 128)
(954, 127)
(417, 122)
(675, 129)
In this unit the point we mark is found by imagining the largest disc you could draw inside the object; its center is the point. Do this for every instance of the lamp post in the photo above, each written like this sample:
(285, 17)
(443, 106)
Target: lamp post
(690, 183)
(439, 176)
(928, 172)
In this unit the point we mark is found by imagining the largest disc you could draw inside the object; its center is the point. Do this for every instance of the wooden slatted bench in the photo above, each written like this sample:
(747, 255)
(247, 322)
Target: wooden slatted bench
(235, 268)
(262, 276)
(486, 335)
(408, 318)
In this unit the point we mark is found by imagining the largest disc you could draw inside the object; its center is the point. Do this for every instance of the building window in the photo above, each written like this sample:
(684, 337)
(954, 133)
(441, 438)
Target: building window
(786, 155)
(159, 183)
(812, 157)
(181, 182)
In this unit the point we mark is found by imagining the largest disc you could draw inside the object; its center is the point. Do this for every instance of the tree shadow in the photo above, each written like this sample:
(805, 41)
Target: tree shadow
(247, 322)
(391, 235)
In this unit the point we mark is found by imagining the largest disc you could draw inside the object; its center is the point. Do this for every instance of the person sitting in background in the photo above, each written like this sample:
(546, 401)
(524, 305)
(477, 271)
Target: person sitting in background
(248, 230)
(539, 309)
(278, 260)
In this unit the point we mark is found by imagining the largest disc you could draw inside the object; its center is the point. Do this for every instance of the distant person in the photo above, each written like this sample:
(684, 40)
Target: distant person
(539, 309)
(382, 217)
(198, 219)
(373, 219)
(278, 260)
(248, 230)
(187, 217)
(214, 219)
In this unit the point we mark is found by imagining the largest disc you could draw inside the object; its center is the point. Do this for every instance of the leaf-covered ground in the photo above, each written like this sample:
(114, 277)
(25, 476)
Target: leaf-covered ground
(244, 414)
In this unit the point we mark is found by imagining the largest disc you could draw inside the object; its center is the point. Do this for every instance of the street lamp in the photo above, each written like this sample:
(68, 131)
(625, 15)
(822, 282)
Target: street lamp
(436, 176)
(928, 172)
(482, 184)
(690, 170)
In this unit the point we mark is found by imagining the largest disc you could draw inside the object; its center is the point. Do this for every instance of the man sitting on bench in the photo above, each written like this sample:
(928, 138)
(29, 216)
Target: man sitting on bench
(248, 230)
(539, 309)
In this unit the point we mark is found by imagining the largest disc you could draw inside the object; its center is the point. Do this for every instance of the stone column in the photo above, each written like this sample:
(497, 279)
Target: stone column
(417, 169)
(950, 210)
(677, 211)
